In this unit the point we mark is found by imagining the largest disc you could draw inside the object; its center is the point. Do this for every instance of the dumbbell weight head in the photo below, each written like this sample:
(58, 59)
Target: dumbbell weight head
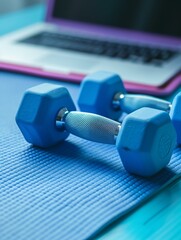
(175, 115)
(38, 111)
(146, 141)
(97, 92)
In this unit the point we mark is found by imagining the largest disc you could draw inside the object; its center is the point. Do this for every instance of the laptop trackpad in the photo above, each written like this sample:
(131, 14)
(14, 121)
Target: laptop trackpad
(66, 63)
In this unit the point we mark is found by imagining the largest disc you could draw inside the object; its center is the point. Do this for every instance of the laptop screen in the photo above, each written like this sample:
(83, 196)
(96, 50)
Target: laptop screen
(154, 16)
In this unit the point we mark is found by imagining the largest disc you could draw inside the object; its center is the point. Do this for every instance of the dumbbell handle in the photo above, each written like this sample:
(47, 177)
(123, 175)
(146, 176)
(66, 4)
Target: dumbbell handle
(131, 102)
(91, 126)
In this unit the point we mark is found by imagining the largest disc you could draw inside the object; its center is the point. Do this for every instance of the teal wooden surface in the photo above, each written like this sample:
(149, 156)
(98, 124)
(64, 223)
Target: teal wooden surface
(21, 18)
(157, 219)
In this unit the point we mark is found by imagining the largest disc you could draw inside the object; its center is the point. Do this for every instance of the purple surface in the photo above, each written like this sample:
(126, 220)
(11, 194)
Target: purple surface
(77, 78)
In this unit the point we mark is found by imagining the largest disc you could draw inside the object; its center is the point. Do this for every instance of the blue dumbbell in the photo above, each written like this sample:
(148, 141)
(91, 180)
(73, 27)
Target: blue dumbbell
(145, 140)
(104, 93)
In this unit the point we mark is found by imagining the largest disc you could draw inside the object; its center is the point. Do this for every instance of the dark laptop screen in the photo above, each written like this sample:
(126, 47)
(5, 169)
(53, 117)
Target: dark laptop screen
(155, 16)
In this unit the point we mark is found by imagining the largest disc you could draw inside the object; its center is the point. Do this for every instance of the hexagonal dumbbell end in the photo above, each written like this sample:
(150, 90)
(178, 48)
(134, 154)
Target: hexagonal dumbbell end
(146, 141)
(38, 111)
(97, 92)
(175, 114)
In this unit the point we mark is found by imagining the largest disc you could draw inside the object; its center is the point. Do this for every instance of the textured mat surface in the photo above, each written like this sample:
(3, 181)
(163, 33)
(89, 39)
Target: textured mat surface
(66, 192)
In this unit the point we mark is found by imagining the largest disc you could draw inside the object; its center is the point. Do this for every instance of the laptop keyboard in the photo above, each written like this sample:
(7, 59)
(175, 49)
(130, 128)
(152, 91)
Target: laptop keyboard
(147, 55)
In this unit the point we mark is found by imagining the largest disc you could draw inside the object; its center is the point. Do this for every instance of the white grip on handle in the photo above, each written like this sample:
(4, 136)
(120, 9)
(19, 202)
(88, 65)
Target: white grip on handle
(132, 102)
(92, 127)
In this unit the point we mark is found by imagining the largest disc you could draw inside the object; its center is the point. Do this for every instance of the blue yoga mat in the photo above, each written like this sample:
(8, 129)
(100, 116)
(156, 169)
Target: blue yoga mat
(69, 191)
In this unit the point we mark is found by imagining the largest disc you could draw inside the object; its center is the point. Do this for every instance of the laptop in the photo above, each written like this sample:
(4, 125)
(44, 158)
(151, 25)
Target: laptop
(139, 40)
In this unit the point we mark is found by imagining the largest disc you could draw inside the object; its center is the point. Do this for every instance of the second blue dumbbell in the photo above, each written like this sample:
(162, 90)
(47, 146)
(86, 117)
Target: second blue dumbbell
(103, 93)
